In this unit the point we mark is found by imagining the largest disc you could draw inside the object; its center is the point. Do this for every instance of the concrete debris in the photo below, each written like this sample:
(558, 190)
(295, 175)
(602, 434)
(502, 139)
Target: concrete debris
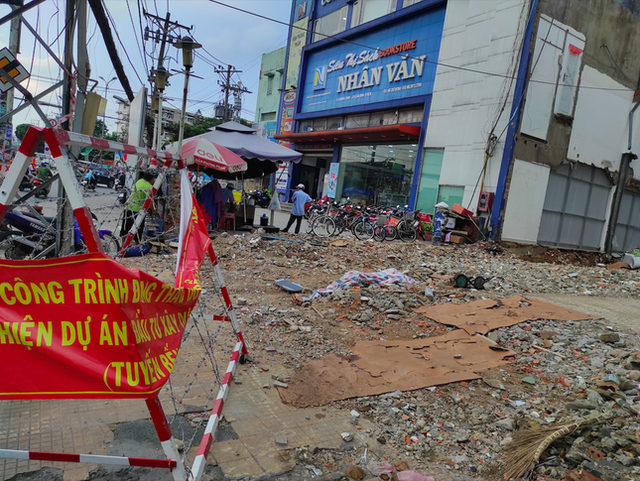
(455, 430)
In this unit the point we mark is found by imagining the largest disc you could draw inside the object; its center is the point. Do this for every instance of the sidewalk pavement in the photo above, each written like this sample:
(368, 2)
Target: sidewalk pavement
(253, 413)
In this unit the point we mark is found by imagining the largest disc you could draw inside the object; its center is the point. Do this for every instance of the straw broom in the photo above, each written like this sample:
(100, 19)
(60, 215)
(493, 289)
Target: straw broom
(524, 452)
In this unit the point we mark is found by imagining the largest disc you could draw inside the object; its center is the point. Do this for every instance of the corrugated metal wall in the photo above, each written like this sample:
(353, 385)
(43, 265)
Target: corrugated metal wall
(627, 234)
(575, 207)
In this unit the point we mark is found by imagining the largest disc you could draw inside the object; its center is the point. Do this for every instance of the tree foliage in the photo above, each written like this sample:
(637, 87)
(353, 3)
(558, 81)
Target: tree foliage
(21, 131)
(98, 129)
(201, 125)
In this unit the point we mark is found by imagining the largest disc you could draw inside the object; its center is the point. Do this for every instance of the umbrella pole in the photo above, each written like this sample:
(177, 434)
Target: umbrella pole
(244, 203)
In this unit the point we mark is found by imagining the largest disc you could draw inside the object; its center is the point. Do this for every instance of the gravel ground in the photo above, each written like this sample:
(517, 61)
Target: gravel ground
(454, 431)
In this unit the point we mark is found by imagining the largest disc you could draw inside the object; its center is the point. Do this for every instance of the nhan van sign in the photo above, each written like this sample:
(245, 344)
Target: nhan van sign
(393, 62)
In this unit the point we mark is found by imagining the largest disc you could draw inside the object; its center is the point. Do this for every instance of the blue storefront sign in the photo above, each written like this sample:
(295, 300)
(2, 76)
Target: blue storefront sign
(392, 62)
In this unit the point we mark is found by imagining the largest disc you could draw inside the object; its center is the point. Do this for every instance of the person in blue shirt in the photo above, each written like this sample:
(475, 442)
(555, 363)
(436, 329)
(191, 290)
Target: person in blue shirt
(229, 200)
(300, 198)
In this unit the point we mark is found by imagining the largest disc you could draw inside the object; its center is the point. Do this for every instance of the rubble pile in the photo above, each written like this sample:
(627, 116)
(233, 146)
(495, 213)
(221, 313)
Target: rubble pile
(562, 371)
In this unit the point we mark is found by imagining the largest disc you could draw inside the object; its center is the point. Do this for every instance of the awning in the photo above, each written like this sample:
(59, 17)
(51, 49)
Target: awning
(382, 132)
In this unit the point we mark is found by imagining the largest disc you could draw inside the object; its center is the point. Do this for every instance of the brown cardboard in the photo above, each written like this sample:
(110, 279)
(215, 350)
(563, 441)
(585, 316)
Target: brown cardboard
(378, 367)
(484, 316)
(457, 239)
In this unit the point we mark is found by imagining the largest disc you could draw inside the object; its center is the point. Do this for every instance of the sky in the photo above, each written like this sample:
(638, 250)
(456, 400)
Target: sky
(228, 37)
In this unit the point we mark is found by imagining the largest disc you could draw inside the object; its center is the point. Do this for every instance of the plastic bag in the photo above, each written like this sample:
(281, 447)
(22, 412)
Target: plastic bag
(275, 202)
(378, 468)
(412, 475)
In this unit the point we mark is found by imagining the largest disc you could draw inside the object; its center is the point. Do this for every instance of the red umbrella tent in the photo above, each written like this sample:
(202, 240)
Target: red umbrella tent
(260, 154)
(209, 154)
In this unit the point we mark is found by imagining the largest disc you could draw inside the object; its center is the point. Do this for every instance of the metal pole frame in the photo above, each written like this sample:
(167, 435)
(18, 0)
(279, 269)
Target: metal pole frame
(57, 139)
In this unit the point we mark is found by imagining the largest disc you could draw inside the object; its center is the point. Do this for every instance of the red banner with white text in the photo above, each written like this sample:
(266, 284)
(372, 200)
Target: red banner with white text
(86, 326)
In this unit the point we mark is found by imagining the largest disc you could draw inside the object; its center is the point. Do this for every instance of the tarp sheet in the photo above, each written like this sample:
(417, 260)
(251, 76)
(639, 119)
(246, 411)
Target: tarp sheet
(353, 278)
(378, 367)
(484, 316)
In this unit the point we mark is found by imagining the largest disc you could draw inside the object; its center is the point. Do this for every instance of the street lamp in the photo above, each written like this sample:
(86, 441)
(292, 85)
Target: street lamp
(161, 83)
(187, 45)
(106, 90)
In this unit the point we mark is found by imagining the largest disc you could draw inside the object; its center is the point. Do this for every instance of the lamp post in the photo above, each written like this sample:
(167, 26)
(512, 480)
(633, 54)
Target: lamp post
(187, 45)
(161, 83)
(106, 90)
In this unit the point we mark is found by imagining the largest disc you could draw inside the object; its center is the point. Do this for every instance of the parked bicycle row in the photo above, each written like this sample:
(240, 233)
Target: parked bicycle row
(326, 219)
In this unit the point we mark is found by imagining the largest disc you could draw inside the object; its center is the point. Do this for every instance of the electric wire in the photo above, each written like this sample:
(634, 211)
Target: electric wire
(432, 62)
(133, 26)
(606, 47)
(115, 30)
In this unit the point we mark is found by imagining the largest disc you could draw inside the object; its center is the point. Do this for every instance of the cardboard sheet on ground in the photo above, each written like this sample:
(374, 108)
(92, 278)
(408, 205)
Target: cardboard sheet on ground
(484, 316)
(378, 367)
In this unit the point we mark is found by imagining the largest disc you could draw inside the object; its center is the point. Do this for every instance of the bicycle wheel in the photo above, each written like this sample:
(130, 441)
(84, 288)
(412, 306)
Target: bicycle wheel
(324, 226)
(340, 224)
(111, 245)
(309, 224)
(406, 231)
(379, 233)
(391, 233)
(363, 230)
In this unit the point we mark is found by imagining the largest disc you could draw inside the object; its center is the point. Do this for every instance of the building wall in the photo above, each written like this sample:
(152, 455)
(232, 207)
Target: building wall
(467, 107)
(524, 206)
(603, 39)
(272, 67)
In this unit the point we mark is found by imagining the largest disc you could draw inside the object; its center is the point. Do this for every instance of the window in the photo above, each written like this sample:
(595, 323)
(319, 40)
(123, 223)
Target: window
(410, 2)
(267, 116)
(319, 125)
(334, 123)
(366, 10)
(451, 194)
(330, 24)
(269, 84)
(357, 121)
(429, 179)
(377, 174)
(305, 126)
(411, 116)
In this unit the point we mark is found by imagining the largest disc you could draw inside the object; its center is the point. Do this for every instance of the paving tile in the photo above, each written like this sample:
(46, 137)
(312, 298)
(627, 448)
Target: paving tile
(273, 463)
(225, 451)
(239, 467)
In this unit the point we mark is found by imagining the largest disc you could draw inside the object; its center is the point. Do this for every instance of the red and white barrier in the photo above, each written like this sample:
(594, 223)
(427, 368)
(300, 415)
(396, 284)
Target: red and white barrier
(56, 139)
(86, 458)
(216, 413)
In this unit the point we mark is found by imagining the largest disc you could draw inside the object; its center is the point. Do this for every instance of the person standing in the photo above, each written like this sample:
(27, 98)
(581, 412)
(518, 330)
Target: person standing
(134, 205)
(229, 200)
(300, 198)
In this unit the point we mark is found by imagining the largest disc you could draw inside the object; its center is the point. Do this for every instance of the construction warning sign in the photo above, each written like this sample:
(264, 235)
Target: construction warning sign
(87, 327)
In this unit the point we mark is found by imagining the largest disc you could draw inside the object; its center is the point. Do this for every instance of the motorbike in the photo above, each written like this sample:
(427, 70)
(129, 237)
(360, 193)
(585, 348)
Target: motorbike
(25, 183)
(260, 198)
(89, 182)
(27, 235)
(123, 195)
(42, 193)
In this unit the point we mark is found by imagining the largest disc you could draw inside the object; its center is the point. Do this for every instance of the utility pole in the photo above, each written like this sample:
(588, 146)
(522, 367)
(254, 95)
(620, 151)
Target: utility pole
(228, 87)
(163, 34)
(65, 218)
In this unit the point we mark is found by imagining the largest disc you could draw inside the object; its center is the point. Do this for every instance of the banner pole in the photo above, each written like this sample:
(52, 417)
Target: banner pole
(166, 438)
